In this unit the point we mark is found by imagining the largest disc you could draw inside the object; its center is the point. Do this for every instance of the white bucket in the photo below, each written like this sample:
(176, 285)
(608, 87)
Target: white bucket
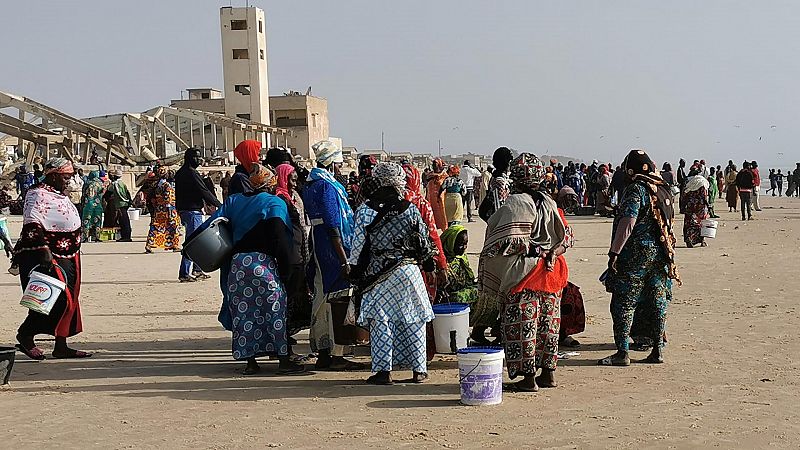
(42, 292)
(451, 327)
(708, 228)
(133, 214)
(480, 374)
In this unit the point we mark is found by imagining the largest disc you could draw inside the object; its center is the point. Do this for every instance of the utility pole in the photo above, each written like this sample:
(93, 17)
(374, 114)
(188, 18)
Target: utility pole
(440, 148)
(381, 140)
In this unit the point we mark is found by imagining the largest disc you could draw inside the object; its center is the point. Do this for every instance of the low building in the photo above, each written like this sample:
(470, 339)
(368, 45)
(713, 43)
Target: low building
(306, 116)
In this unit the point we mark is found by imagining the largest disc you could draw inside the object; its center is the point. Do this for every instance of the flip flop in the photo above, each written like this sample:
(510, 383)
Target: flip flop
(375, 380)
(34, 353)
(609, 361)
(74, 354)
(515, 387)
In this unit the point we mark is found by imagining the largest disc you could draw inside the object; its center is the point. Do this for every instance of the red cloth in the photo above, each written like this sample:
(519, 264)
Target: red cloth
(413, 195)
(542, 280)
(247, 153)
(756, 177)
(282, 188)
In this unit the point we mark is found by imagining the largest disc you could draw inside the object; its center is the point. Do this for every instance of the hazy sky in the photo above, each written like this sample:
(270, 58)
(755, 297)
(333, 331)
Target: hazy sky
(697, 79)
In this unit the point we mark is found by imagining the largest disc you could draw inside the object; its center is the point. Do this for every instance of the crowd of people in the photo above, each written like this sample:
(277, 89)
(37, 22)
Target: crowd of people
(362, 258)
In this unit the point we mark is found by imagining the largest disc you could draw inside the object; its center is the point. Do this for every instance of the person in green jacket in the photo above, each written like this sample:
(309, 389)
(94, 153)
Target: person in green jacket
(121, 200)
(713, 192)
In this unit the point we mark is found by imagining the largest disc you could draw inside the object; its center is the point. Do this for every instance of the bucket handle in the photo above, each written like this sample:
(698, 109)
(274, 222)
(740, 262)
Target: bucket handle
(461, 379)
(55, 264)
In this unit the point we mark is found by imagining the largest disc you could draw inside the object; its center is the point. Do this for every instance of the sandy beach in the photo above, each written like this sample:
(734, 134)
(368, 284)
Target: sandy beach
(162, 374)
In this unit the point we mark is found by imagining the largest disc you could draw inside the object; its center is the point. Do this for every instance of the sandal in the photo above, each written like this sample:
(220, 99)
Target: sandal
(419, 377)
(34, 353)
(570, 342)
(381, 379)
(71, 354)
(291, 368)
(615, 360)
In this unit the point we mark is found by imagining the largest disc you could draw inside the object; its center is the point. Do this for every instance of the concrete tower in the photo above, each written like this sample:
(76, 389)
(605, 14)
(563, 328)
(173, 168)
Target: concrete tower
(244, 63)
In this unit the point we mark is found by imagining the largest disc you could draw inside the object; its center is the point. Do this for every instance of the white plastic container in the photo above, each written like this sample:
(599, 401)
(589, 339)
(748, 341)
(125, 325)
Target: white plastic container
(133, 214)
(451, 327)
(480, 374)
(708, 228)
(42, 292)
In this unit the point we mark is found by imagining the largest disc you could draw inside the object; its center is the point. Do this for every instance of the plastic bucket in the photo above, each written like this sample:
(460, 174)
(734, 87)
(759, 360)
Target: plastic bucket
(133, 213)
(480, 374)
(7, 355)
(41, 292)
(708, 228)
(212, 247)
(451, 327)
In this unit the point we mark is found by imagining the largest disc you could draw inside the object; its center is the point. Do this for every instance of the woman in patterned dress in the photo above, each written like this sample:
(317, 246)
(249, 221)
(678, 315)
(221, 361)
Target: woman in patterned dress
(695, 207)
(454, 191)
(522, 266)
(461, 286)
(93, 207)
(641, 261)
(390, 242)
(253, 284)
(50, 242)
(165, 221)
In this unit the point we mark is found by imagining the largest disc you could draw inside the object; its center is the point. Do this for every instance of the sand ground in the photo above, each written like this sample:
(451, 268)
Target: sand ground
(162, 374)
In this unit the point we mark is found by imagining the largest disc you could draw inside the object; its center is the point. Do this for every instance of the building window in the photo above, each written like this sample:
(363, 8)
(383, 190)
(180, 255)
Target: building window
(243, 116)
(260, 26)
(314, 120)
(205, 95)
(238, 24)
(261, 54)
(240, 53)
(243, 89)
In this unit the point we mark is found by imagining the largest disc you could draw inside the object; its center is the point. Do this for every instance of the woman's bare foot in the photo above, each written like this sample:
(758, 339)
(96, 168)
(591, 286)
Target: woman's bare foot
(527, 384)
(419, 377)
(381, 378)
(252, 367)
(656, 356)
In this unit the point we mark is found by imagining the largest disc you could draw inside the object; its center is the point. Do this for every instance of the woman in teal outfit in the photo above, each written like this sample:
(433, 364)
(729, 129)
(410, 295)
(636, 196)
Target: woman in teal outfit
(92, 216)
(641, 263)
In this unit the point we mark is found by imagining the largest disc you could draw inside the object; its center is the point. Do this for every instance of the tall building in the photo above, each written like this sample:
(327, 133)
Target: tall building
(244, 63)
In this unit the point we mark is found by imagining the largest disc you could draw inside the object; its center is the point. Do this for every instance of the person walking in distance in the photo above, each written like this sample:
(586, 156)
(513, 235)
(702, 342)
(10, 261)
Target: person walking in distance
(745, 183)
(120, 198)
(468, 176)
(756, 185)
(191, 195)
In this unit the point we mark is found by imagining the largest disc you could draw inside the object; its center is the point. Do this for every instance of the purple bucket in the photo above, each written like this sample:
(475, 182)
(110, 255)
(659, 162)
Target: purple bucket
(480, 373)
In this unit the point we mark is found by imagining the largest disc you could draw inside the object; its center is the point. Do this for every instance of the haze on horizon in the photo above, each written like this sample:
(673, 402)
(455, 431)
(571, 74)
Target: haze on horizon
(713, 79)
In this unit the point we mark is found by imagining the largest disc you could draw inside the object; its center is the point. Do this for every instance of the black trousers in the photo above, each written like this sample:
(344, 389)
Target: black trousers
(124, 223)
(746, 205)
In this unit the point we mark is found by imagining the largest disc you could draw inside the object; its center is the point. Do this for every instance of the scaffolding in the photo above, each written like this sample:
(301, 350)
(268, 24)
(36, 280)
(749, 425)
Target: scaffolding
(159, 134)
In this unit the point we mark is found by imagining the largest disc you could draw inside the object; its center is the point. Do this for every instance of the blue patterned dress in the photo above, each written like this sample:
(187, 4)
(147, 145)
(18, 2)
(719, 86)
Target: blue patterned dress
(641, 283)
(257, 303)
(395, 305)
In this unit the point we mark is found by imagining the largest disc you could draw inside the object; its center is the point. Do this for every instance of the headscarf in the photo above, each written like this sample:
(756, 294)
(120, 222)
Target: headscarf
(365, 165)
(438, 165)
(261, 177)
(695, 182)
(247, 153)
(93, 175)
(639, 167)
(449, 241)
(527, 170)
(454, 171)
(58, 165)
(282, 188)
(385, 174)
(327, 153)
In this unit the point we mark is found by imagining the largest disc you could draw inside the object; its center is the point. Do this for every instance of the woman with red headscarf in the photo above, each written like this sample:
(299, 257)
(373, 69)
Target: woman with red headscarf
(298, 314)
(435, 194)
(247, 153)
(454, 191)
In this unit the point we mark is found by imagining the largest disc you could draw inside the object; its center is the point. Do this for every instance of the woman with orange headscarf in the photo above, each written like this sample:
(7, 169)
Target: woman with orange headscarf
(247, 153)
(454, 191)
(435, 195)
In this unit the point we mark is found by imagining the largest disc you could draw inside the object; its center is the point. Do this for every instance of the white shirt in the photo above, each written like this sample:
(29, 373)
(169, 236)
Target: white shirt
(468, 175)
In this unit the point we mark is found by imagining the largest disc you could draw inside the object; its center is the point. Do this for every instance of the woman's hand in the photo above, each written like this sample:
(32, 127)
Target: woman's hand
(441, 278)
(345, 272)
(549, 260)
(612, 263)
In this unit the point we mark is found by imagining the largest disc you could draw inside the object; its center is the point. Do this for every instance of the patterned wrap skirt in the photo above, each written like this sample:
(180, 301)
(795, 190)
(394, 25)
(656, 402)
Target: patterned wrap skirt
(531, 322)
(257, 303)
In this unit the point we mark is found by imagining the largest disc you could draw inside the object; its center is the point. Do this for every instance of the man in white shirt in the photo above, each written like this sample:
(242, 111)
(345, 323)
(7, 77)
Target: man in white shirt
(468, 175)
